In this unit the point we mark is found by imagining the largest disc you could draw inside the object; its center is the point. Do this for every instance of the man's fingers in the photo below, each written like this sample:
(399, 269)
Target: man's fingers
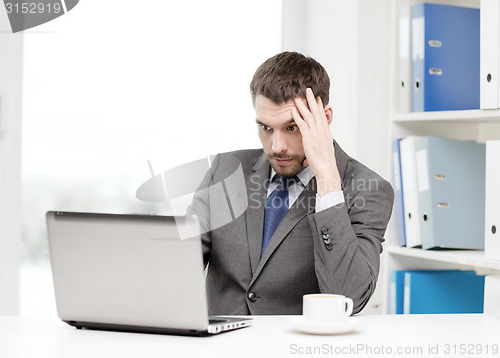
(304, 111)
(299, 121)
(313, 114)
(313, 105)
(324, 120)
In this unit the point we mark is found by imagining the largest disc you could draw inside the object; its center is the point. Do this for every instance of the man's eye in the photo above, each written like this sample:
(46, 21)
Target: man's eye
(265, 128)
(293, 128)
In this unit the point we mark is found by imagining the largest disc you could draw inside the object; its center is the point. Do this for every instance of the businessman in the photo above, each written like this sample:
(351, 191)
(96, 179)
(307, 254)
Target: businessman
(305, 217)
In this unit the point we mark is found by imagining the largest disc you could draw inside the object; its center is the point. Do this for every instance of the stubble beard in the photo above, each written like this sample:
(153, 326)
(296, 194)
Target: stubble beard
(290, 170)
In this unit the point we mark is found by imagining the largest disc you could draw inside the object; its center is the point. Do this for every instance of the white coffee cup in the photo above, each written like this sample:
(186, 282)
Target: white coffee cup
(326, 308)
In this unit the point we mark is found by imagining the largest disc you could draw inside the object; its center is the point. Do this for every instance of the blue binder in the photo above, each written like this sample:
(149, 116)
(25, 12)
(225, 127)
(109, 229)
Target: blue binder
(397, 287)
(451, 185)
(398, 192)
(452, 292)
(445, 57)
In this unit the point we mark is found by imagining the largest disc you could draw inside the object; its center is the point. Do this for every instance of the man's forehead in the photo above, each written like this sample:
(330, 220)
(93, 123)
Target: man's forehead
(269, 113)
(265, 105)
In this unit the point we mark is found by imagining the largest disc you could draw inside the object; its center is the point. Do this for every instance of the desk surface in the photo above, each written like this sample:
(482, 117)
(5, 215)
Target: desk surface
(271, 336)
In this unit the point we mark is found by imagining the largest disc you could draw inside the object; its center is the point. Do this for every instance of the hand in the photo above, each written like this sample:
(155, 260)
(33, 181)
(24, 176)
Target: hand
(314, 125)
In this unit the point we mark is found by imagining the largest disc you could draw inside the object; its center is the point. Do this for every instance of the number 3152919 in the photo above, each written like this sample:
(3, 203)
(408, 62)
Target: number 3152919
(33, 8)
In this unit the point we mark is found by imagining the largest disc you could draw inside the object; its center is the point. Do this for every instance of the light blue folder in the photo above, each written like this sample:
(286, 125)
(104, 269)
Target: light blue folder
(452, 292)
(451, 177)
(445, 54)
(398, 192)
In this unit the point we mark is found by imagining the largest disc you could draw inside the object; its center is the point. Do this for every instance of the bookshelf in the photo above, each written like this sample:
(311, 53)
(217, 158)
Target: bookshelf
(472, 259)
(478, 125)
(467, 116)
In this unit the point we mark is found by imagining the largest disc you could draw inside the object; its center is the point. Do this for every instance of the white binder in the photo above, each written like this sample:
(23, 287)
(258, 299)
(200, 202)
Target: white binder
(410, 191)
(492, 202)
(490, 54)
(405, 60)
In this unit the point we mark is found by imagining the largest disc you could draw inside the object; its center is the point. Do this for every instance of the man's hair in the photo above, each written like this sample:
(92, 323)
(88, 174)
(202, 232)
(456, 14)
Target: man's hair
(287, 75)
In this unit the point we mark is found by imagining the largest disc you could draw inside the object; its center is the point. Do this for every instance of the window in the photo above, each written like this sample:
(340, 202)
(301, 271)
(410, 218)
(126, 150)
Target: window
(115, 83)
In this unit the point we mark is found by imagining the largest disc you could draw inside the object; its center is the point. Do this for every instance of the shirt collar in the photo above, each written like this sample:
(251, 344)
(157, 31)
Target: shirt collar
(304, 176)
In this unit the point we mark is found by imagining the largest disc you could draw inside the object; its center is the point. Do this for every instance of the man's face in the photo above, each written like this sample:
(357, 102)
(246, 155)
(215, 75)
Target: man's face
(280, 136)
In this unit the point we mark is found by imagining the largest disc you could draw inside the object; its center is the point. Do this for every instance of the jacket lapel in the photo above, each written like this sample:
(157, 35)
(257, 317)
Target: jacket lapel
(257, 189)
(341, 158)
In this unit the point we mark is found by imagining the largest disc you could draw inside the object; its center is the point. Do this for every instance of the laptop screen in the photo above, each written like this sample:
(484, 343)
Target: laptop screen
(128, 269)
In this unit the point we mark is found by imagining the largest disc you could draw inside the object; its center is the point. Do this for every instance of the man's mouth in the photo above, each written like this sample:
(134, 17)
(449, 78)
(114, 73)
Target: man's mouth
(282, 162)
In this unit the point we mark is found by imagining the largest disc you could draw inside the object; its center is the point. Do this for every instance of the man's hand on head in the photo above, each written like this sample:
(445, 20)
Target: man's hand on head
(314, 125)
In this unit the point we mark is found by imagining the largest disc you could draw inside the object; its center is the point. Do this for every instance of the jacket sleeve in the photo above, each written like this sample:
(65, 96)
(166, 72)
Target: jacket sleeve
(200, 207)
(348, 241)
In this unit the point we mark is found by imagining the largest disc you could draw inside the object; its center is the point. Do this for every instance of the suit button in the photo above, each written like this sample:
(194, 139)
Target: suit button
(324, 230)
(252, 296)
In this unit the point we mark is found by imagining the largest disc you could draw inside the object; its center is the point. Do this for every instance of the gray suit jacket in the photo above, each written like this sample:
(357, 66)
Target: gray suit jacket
(298, 259)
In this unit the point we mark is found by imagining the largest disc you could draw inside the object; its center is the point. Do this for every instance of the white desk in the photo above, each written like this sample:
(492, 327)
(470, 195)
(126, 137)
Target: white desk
(377, 336)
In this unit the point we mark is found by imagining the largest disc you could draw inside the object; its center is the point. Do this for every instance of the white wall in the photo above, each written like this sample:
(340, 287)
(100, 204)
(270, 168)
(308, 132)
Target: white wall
(351, 39)
(10, 166)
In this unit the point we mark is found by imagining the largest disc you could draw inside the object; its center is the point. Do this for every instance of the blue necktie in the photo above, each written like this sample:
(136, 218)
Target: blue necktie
(276, 206)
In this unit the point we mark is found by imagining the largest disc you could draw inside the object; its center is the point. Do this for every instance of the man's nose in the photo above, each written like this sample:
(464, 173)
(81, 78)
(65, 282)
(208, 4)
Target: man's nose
(279, 142)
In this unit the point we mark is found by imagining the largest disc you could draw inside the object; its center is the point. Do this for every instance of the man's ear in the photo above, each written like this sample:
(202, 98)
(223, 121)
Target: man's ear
(329, 113)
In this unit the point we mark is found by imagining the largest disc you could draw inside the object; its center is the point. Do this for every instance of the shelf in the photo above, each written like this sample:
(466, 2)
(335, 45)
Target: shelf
(473, 258)
(472, 116)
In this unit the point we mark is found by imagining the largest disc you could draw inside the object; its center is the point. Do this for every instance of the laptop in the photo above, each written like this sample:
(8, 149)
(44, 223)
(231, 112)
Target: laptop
(133, 273)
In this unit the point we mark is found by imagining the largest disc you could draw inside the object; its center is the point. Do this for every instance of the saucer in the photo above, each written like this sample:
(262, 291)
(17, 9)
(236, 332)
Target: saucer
(299, 323)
